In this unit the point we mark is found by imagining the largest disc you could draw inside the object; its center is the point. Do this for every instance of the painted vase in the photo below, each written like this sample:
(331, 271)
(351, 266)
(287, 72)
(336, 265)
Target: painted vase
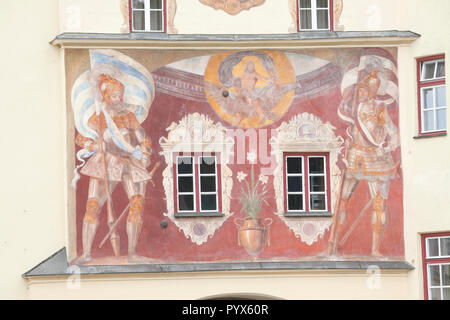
(253, 234)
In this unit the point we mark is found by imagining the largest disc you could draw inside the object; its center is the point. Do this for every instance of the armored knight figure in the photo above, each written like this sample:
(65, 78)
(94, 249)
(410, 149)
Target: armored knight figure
(373, 137)
(116, 126)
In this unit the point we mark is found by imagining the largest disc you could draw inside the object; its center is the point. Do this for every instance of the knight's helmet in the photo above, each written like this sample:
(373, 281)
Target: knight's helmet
(372, 83)
(107, 85)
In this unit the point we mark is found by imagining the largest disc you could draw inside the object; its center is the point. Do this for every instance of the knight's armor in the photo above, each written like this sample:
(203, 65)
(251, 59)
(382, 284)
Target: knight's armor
(373, 138)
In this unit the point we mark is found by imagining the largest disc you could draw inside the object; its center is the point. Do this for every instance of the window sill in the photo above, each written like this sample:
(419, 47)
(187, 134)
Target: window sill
(431, 135)
(308, 215)
(199, 215)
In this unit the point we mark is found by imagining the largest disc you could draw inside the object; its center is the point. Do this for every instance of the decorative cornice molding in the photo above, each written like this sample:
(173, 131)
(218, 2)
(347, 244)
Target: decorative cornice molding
(226, 41)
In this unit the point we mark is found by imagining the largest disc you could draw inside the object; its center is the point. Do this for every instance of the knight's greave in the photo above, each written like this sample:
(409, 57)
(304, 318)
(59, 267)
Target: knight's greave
(134, 222)
(90, 223)
(378, 220)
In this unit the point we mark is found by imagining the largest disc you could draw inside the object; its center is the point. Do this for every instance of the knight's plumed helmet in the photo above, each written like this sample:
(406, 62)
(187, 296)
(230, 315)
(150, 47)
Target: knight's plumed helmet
(107, 85)
(371, 83)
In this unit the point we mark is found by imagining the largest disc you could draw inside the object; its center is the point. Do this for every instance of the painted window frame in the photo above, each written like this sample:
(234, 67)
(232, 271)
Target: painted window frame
(147, 11)
(314, 16)
(428, 261)
(306, 185)
(423, 84)
(196, 176)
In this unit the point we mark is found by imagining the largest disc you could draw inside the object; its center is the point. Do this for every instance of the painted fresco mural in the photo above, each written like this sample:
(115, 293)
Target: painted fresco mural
(252, 155)
(232, 7)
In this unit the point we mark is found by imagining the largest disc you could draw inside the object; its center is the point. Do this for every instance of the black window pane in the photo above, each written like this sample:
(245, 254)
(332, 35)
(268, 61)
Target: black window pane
(433, 247)
(208, 165)
(295, 202)
(322, 19)
(316, 165)
(305, 19)
(440, 72)
(445, 246)
(156, 20)
(155, 4)
(305, 3)
(138, 4)
(208, 184)
(435, 276)
(322, 3)
(185, 184)
(317, 202)
(429, 70)
(446, 274)
(317, 184)
(295, 184)
(436, 294)
(186, 202)
(208, 202)
(294, 165)
(185, 165)
(138, 20)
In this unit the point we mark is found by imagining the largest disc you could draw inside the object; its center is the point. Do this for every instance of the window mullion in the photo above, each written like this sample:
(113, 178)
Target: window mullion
(147, 15)
(313, 15)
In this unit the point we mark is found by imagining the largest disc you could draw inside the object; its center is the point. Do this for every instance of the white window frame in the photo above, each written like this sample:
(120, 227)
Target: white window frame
(302, 175)
(439, 247)
(314, 10)
(216, 193)
(435, 62)
(325, 192)
(441, 286)
(434, 109)
(193, 193)
(147, 10)
(306, 175)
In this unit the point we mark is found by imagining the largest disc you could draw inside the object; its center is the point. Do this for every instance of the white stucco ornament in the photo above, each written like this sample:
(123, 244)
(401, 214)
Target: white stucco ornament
(197, 133)
(306, 133)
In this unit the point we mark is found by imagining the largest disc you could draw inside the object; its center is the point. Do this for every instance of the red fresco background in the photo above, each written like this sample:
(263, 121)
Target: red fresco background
(169, 245)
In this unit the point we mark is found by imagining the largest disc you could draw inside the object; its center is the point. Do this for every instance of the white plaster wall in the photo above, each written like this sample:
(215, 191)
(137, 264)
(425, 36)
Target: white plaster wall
(93, 16)
(31, 139)
(426, 162)
(194, 17)
(284, 285)
(375, 15)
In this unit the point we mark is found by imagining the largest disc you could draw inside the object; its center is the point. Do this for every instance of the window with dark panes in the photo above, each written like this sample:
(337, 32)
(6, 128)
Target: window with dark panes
(432, 95)
(147, 15)
(436, 264)
(185, 184)
(315, 14)
(306, 183)
(197, 184)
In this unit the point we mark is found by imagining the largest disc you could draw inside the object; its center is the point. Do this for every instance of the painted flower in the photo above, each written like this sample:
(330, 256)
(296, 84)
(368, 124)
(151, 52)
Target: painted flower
(263, 178)
(241, 176)
(251, 156)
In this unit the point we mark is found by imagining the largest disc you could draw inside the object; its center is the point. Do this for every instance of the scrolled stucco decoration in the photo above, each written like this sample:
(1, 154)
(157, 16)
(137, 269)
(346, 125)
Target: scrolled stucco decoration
(197, 133)
(171, 11)
(125, 28)
(306, 133)
(232, 7)
(293, 11)
(337, 11)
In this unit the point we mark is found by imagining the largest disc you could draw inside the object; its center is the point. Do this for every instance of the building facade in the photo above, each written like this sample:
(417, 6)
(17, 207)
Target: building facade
(250, 149)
